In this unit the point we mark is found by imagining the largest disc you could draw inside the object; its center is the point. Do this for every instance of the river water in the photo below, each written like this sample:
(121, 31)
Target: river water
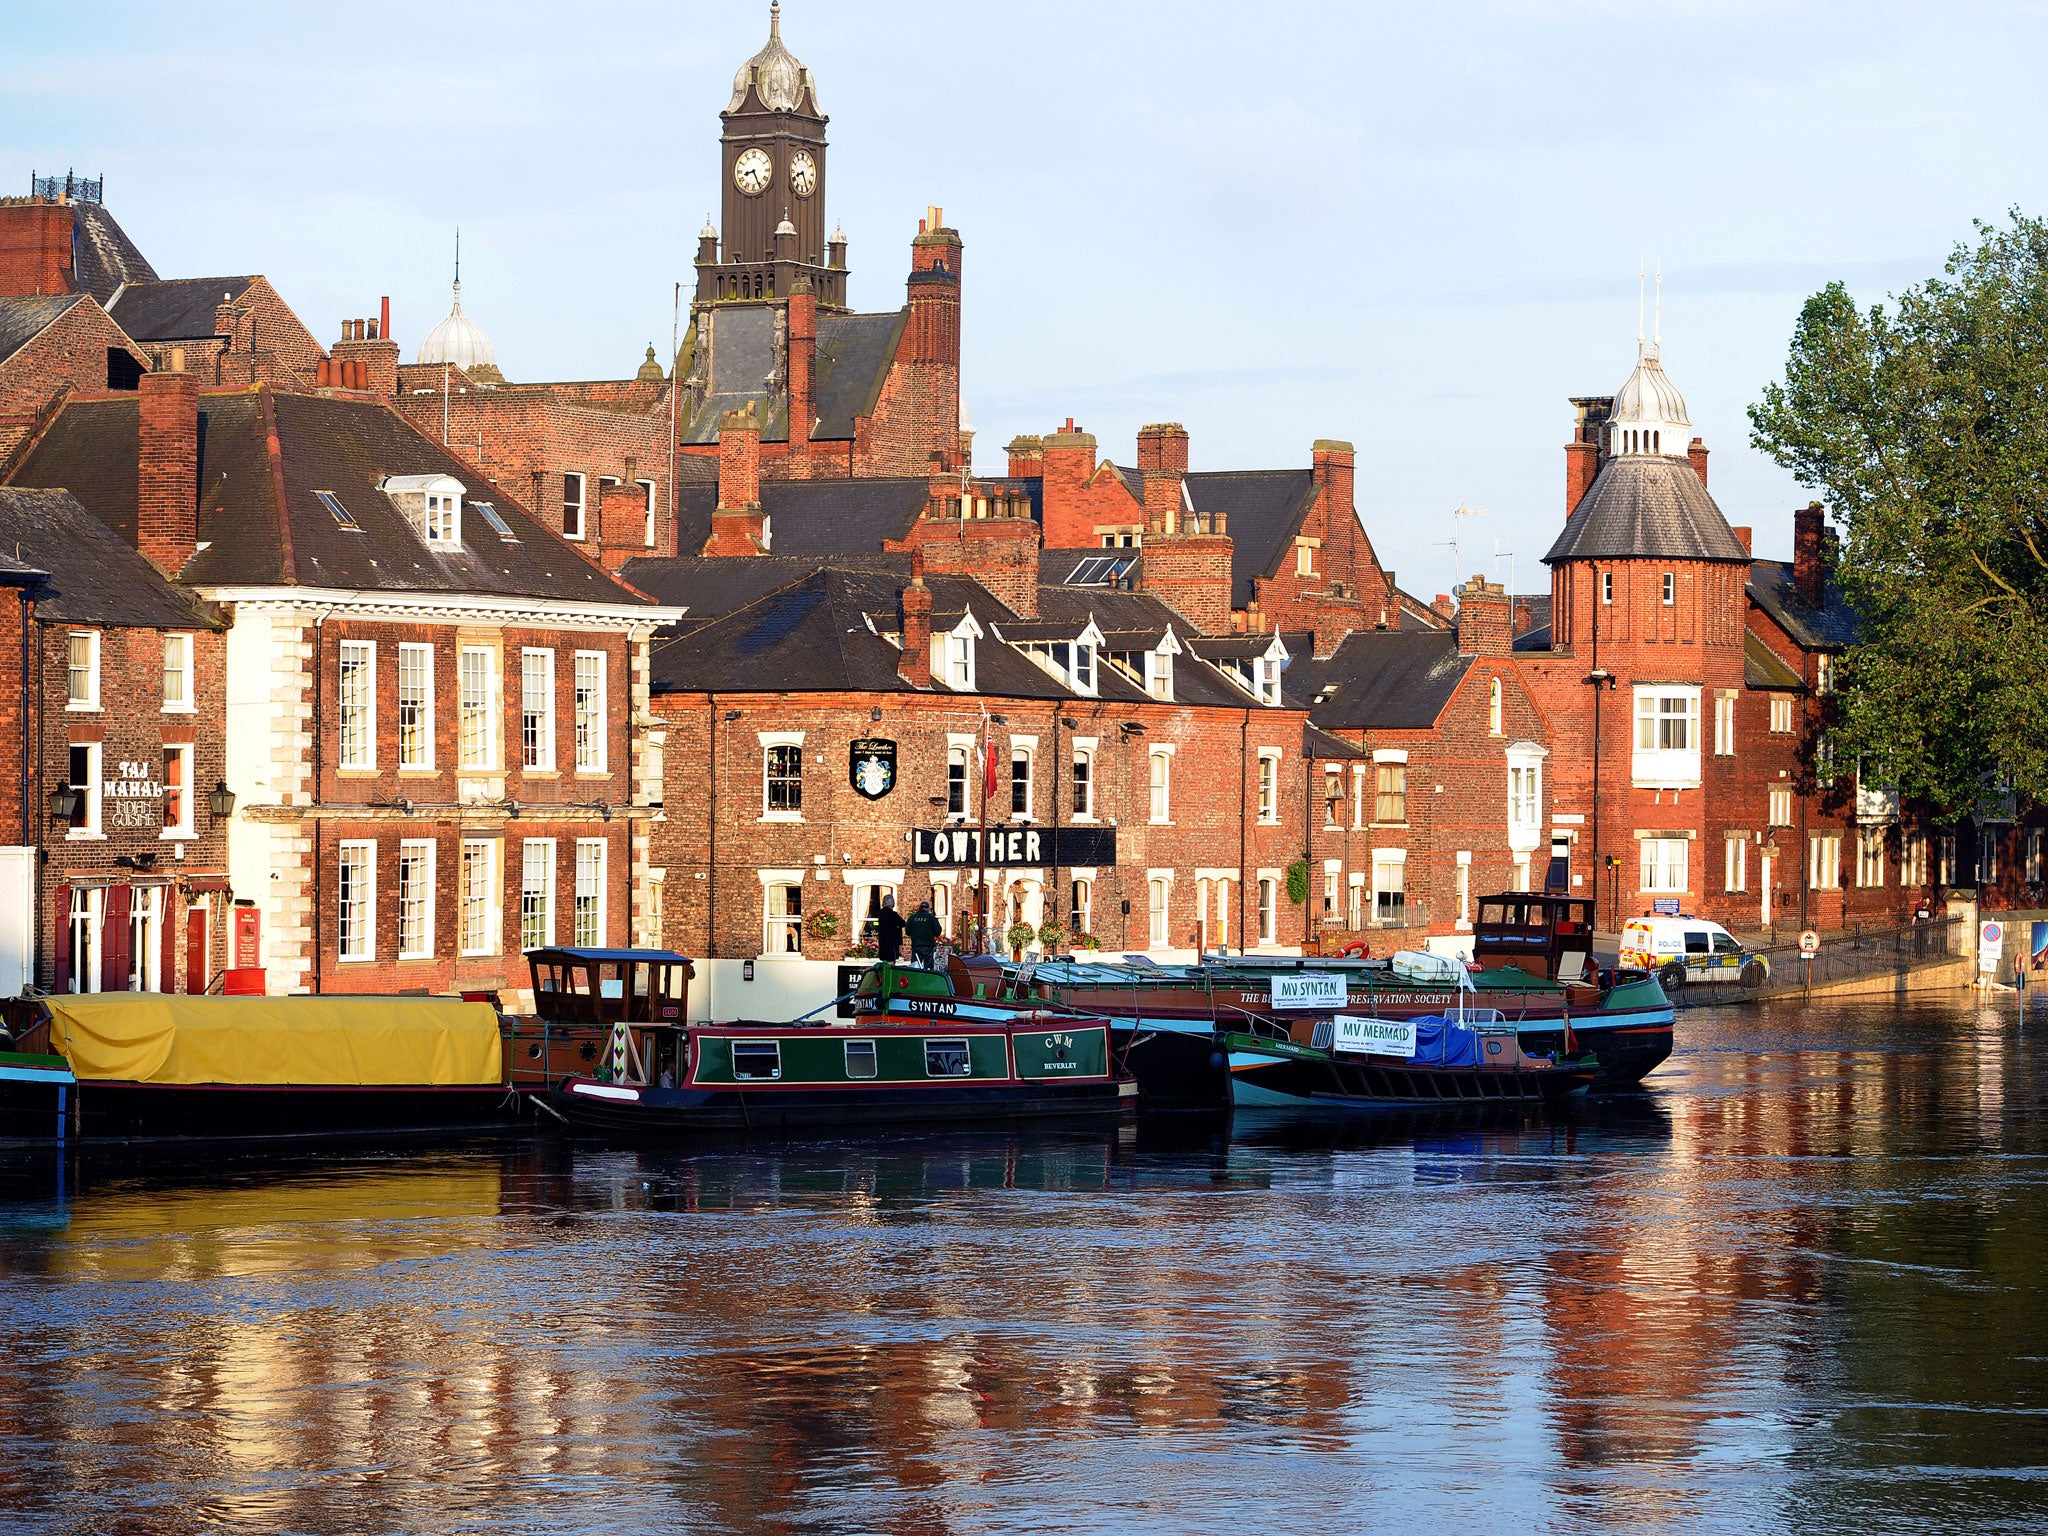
(1798, 1286)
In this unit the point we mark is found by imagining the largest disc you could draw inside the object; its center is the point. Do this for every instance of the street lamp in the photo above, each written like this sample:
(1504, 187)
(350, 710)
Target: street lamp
(63, 803)
(221, 802)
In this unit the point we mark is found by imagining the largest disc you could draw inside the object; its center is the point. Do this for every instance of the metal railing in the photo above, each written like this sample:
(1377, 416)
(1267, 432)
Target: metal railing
(1850, 955)
(78, 189)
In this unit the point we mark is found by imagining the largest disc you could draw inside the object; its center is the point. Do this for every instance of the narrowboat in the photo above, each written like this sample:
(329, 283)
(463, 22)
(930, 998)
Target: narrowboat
(148, 1064)
(1350, 1064)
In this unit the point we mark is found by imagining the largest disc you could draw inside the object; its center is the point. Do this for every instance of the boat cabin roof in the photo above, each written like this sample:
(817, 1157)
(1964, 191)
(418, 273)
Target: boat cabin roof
(655, 956)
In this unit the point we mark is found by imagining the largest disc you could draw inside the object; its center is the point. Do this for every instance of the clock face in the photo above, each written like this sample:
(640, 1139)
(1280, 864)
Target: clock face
(752, 172)
(803, 174)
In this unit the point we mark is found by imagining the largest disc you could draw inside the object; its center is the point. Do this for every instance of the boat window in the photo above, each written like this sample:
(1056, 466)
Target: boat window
(757, 1061)
(947, 1058)
(860, 1058)
(548, 978)
(612, 986)
(1492, 913)
(1695, 943)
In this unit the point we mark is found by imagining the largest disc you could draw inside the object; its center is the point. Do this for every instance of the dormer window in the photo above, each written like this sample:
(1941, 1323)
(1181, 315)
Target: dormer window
(1159, 675)
(960, 661)
(441, 524)
(432, 504)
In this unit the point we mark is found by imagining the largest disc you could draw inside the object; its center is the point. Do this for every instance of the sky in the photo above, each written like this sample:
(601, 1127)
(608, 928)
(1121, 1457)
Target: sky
(1417, 228)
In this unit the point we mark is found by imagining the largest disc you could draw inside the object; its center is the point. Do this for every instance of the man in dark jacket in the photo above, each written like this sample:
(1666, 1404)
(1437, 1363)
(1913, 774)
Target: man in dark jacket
(889, 932)
(924, 931)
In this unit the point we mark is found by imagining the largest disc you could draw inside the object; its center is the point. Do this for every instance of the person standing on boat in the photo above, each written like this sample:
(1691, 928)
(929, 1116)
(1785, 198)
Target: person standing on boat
(923, 928)
(889, 932)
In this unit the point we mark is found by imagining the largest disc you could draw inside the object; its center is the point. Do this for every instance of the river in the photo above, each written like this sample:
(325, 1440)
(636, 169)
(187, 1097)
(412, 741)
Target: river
(1797, 1286)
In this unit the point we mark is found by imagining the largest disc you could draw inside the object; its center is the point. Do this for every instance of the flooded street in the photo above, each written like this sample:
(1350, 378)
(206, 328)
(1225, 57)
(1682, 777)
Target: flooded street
(1798, 1286)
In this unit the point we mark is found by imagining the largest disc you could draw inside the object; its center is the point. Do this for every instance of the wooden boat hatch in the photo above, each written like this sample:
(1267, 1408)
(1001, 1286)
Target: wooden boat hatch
(610, 986)
(1548, 936)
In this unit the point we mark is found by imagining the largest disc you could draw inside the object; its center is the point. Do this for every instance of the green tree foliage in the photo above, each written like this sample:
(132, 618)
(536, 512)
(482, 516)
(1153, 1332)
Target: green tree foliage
(1925, 427)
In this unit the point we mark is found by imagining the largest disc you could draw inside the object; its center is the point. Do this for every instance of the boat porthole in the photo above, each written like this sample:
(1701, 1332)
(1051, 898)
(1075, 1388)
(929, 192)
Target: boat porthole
(588, 1052)
(534, 1051)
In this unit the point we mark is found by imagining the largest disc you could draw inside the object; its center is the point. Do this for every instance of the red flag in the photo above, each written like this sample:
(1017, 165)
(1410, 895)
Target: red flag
(988, 776)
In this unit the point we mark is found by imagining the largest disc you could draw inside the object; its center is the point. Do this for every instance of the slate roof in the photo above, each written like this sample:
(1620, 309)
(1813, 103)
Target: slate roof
(1265, 509)
(324, 444)
(854, 354)
(1831, 627)
(1056, 567)
(1538, 609)
(178, 310)
(711, 587)
(814, 517)
(1317, 743)
(1396, 680)
(23, 320)
(102, 255)
(91, 575)
(1763, 667)
(1644, 507)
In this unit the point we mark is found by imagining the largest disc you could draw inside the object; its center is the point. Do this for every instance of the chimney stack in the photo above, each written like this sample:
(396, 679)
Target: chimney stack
(737, 524)
(1068, 463)
(915, 665)
(1585, 453)
(167, 470)
(1027, 457)
(1485, 627)
(1809, 559)
(1742, 535)
(803, 362)
(1696, 451)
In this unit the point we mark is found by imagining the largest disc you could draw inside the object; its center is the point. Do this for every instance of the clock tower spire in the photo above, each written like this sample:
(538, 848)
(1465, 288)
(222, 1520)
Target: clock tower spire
(772, 158)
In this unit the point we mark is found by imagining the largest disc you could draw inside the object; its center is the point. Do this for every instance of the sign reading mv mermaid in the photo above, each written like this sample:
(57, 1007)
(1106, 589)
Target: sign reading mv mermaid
(1373, 1037)
(1013, 847)
(1308, 989)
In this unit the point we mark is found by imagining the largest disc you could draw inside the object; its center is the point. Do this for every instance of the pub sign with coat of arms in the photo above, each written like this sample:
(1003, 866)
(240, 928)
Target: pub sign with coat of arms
(871, 767)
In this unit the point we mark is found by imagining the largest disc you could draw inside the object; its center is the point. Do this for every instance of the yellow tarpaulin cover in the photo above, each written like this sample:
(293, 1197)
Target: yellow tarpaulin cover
(148, 1037)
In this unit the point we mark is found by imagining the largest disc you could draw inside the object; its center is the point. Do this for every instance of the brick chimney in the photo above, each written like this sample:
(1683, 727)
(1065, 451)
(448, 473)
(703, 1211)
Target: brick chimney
(915, 665)
(1162, 470)
(1000, 551)
(1809, 552)
(1445, 609)
(738, 526)
(1696, 451)
(167, 470)
(803, 364)
(1068, 457)
(622, 521)
(1742, 537)
(1027, 458)
(1163, 445)
(364, 359)
(35, 248)
(1585, 453)
(1484, 624)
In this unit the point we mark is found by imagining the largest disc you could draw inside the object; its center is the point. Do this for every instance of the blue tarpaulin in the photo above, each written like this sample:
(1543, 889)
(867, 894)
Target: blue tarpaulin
(1442, 1042)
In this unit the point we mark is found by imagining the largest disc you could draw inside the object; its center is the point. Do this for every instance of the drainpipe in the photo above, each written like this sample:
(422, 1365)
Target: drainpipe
(28, 692)
(319, 737)
(710, 832)
(1308, 834)
(1244, 745)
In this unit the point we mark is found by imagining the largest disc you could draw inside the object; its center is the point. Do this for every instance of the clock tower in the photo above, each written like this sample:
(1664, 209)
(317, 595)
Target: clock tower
(772, 160)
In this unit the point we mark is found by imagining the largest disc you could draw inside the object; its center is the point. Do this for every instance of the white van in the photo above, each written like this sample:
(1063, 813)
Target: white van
(1677, 950)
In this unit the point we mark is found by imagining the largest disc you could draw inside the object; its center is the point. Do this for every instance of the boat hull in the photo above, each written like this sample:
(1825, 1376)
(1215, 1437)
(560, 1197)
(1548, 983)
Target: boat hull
(1628, 1049)
(102, 1111)
(1339, 1084)
(593, 1106)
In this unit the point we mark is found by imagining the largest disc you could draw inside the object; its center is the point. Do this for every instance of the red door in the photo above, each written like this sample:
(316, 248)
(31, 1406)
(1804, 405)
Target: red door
(114, 941)
(197, 970)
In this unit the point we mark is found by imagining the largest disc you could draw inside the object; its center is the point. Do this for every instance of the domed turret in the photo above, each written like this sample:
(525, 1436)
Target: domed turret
(1649, 412)
(650, 370)
(459, 340)
(775, 72)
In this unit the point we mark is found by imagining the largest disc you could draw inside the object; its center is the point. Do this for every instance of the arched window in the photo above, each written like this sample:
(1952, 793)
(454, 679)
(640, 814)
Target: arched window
(1494, 710)
(1656, 442)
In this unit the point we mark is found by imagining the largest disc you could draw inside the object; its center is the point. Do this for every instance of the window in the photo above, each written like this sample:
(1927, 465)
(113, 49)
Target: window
(1987, 856)
(489, 514)
(1664, 864)
(960, 662)
(86, 918)
(1269, 909)
(590, 862)
(415, 706)
(1269, 787)
(1824, 760)
(1331, 874)
(1607, 586)
(537, 893)
(537, 709)
(572, 506)
(1083, 673)
(590, 712)
(1870, 858)
(1735, 874)
(1333, 795)
(83, 675)
(1824, 863)
(2033, 873)
(1781, 713)
(1945, 859)
(1670, 589)
(178, 791)
(942, 906)
(1020, 782)
(947, 1058)
(1358, 796)
(783, 924)
(1084, 783)
(145, 938)
(1390, 887)
(1390, 793)
(415, 900)
(783, 767)
(1159, 676)
(647, 511)
(85, 782)
(178, 674)
(1157, 892)
(356, 698)
(1823, 673)
(1520, 879)
(956, 781)
(860, 1058)
(1667, 745)
(355, 899)
(1082, 910)
(1525, 796)
(479, 896)
(1913, 860)
(444, 523)
(1494, 709)
(341, 515)
(1781, 805)
(1465, 890)
(1162, 788)
(757, 1061)
(479, 707)
(1724, 725)
(1304, 558)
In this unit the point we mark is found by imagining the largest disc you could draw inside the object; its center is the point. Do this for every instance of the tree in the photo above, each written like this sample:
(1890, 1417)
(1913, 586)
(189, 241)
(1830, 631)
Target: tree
(1926, 428)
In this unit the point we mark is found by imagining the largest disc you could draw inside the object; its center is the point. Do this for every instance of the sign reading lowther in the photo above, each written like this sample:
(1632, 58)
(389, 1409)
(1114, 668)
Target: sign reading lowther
(1008, 847)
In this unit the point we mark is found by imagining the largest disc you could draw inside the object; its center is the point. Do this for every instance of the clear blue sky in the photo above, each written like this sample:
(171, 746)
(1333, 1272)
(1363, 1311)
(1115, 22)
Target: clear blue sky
(1416, 227)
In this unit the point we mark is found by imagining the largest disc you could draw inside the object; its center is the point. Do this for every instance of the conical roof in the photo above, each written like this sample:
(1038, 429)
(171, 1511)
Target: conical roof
(775, 72)
(1649, 396)
(458, 340)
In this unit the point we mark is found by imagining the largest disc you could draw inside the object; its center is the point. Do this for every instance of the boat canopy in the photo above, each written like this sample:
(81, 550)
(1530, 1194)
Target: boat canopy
(152, 1037)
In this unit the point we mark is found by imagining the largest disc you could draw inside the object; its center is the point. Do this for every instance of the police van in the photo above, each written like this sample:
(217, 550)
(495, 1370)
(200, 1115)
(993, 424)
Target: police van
(1677, 950)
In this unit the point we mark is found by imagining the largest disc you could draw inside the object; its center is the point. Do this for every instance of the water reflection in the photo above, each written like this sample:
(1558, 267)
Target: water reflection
(1796, 1287)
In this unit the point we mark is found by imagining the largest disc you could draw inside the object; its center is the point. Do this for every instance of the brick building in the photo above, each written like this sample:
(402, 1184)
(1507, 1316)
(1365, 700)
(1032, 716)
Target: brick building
(435, 710)
(60, 239)
(225, 330)
(56, 345)
(112, 692)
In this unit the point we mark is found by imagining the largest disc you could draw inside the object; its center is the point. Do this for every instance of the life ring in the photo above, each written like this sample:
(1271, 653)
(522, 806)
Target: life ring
(1357, 949)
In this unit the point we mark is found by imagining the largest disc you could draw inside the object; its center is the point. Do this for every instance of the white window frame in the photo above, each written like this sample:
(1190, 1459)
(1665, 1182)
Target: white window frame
(1332, 775)
(360, 658)
(537, 667)
(182, 828)
(1304, 558)
(1269, 910)
(536, 893)
(1389, 880)
(1083, 779)
(959, 756)
(90, 702)
(1781, 714)
(478, 750)
(1027, 753)
(1269, 786)
(1081, 904)
(88, 935)
(1525, 799)
(770, 740)
(1870, 858)
(1823, 673)
(443, 519)
(1780, 806)
(419, 753)
(1159, 785)
(1159, 675)
(784, 925)
(480, 896)
(1735, 864)
(591, 705)
(93, 791)
(178, 652)
(591, 872)
(1824, 861)
(361, 944)
(416, 890)
(1464, 889)
(1670, 589)
(1496, 708)
(1657, 764)
(1724, 724)
(579, 503)
(648, 492)
(146, 905)
(1158, 909)
(1664, 865)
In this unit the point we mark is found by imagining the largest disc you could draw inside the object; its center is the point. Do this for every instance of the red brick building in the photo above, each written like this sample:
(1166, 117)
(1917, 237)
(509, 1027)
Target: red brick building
(57, 345)
(112, 697)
